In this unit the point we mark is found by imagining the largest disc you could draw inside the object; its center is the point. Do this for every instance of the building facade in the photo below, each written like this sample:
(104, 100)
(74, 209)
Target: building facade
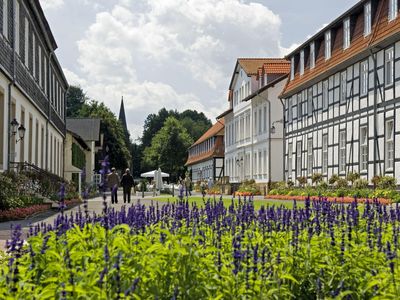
(252, 151)
(343, 96)
(32, 89)
(88, 129)
(206, 155)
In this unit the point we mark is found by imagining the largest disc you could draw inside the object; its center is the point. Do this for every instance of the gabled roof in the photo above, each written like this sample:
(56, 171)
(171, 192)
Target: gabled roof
(216, 129)
(87, 128)
(80, 140)
(251, 65)
(277, 67)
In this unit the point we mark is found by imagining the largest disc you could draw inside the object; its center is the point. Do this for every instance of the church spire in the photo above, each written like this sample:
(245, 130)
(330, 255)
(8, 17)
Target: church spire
(122, 118)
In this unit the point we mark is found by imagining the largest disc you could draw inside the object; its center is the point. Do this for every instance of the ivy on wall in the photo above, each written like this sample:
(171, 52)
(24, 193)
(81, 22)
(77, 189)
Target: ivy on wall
(78, 157)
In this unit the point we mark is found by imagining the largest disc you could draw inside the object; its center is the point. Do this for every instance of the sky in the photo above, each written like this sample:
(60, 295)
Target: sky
(178, 54)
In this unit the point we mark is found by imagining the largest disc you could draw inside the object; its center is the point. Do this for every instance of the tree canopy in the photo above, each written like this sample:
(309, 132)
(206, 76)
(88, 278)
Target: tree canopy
(168, 149)
(76, 98)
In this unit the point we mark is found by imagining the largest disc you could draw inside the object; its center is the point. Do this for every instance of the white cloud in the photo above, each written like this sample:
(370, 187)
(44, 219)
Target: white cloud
(51, 4)
(176, 54)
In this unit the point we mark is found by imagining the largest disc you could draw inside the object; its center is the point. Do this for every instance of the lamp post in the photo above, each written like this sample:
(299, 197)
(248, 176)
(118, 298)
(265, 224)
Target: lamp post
(14, 129)
(239, 162)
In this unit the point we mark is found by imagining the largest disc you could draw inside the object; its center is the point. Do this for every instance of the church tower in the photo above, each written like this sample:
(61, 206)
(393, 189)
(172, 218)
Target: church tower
(122, 120)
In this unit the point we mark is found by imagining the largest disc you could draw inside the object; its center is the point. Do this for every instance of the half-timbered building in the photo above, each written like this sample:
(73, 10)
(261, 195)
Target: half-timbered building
(342, 100)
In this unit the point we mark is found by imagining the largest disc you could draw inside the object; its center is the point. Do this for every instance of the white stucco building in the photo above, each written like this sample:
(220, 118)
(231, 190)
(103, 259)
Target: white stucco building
(252, 150)
(32, 90)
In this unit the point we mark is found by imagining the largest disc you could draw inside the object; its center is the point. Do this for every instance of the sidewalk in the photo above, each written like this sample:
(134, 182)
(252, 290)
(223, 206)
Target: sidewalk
(94, 205)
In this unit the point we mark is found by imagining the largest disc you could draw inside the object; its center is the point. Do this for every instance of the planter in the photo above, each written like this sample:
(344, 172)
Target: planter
(331, 199)
(22, 213)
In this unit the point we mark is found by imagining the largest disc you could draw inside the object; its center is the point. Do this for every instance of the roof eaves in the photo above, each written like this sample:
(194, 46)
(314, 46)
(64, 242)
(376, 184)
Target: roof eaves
(323, 30)
(265, 87)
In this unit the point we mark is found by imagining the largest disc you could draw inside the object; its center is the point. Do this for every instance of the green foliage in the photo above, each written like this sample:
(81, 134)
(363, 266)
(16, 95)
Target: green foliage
(114, 137)
(352, 177)
(387, 182)
(316, 178)
(249, 186)
(75, 99)
(78, 156)
(302, 180)
(194, 261)
(360, 184)
(342, 183)
(168, 148)
(334, 178)
(8, 189)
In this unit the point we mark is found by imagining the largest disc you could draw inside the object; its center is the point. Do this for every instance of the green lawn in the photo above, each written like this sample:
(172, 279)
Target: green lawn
(228, 200)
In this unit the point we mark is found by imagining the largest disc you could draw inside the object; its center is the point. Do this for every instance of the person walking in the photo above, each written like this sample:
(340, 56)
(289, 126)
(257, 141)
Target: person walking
(127, 184)
(113, 184)
(188, 186)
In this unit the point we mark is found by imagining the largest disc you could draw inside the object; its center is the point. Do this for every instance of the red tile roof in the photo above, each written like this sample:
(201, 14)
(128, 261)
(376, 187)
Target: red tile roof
(216, 129)
(251, 65)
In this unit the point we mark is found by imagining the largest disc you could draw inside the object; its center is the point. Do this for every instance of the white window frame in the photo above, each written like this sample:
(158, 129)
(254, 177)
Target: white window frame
(389, 145)
(312, 55)
(363, 148)
(367, 18)
(346, 33)
(343, 87)
(298, 158)
(17, 28)
(310, 157)
(5, 19)
(325, 95)
(392, 14)
(299, 106)
(292, 68)
(364, 76)
(389, 66)
(324, 154)
(26, 37)
(342, 151)
(290, 110)
(301, 62)
(328, 45)
(40, 65)
(34, 55)
(290, 160)
(310, 101)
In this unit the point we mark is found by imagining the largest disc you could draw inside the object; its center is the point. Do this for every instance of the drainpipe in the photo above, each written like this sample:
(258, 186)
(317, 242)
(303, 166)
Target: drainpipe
(375, 111)
(284, 137)
(12, 83)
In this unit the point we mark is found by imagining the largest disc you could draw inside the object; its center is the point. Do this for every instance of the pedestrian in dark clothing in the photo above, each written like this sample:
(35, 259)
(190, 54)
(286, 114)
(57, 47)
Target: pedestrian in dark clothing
(113, 183)
(127, 184)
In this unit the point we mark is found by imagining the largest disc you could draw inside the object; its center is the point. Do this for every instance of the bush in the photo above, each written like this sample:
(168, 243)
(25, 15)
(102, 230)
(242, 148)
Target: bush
(387, 182)
(323, 185)
(248, 186)
(361, 184)
(302, 180)
(342, 183)
(316, 178)
(290, 184)
(352, 177)
(8, 190)
(334, 178)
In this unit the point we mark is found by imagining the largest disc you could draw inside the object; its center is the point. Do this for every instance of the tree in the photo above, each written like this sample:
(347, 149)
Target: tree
(114, 138)
(75, 98)
(168, 149)
(195, 123)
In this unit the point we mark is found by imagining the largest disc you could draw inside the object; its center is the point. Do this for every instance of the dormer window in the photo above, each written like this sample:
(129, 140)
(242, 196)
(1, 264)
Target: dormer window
(292, 68)
(328, 47)
(392, 10)
(312, 55)
(367, 18)
(301, 62)
(346, 33)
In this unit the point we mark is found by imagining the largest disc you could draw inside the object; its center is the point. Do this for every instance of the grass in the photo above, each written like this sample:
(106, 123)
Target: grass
(228, 200)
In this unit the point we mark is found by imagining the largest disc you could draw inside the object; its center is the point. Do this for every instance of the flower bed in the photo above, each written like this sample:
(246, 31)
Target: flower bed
(330, 199)
(320, 251)
(22, 213)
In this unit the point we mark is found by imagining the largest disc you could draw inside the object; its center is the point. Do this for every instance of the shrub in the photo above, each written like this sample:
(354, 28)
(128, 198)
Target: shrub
(290, 184)
(316, 178)
(375, 180)
(334, 178)
(342, 183)
(361, 184)
(302, 180)
(323, 185)
(387, 182)
(352, 177)
(248, 186)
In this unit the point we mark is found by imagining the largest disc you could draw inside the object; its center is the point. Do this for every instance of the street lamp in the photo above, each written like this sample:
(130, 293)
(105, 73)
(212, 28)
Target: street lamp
(273, 129)
(21, 130)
